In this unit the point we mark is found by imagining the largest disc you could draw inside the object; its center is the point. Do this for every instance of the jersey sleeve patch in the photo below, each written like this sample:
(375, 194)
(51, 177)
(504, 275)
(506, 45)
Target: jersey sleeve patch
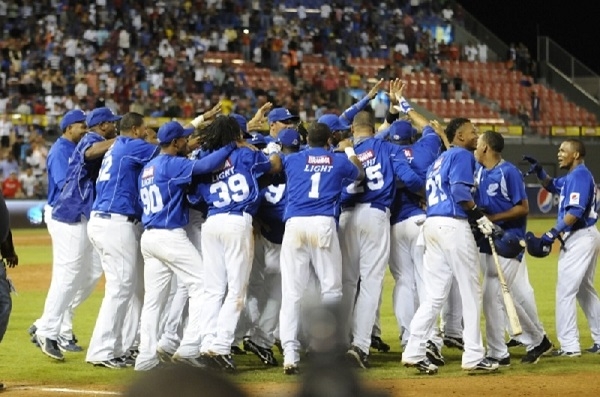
(574, 198)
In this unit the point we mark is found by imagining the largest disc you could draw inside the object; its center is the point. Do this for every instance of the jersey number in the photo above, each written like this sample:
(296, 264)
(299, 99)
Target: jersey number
(152, 199)
(105, 169)
(236, 189)
(315, 179)
(434, 187)
(374, 180)
(274, 193)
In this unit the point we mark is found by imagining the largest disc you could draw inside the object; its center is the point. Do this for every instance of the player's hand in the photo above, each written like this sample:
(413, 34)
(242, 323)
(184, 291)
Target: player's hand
(485, 226)
(375, 89)
(342, 145)
(549, 237)
(212, 113)
(193, 142)
(535, 166)
(395, 89)
(242, 143)
(272, 148)
(264, 109)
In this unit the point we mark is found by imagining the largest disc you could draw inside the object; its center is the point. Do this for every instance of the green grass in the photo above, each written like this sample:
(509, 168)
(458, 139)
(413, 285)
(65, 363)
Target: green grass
(34, 368)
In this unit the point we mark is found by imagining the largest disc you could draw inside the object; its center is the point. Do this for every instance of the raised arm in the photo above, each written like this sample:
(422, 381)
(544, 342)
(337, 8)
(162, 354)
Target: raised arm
(349, 113)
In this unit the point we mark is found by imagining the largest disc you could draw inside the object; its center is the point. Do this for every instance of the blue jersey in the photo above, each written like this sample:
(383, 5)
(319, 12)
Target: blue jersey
(383, 163)
(195, 200)
(420, 156)
(117, 184)
(453, 167)
(272, 209)
(318, 177)
(498, 190)
(234, 187)
(57, 164)
(78, 193)
(577, 191)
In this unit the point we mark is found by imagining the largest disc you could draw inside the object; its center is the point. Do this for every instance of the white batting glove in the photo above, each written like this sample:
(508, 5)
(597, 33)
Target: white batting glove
(403, 105)
(485, 226)
(272, 148)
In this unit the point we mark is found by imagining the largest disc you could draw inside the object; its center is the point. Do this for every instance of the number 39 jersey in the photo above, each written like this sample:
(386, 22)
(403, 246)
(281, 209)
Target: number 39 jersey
(117, 184)
(315, 179)
(163, 185)
(454, 166)
(234, 187)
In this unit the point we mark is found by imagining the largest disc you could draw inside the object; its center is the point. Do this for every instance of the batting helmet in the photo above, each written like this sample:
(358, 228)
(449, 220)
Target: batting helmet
(536, 246)
(509, 245)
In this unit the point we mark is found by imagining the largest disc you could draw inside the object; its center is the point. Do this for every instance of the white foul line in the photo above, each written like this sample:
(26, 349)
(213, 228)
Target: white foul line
(66, 390)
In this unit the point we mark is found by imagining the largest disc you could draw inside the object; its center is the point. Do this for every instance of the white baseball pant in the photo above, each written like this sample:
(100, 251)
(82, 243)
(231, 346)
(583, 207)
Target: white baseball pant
(451, 319)
(523, 294)
(176, 319)
(307, 240)
(168, 252)
(228, 246)
(451, 252)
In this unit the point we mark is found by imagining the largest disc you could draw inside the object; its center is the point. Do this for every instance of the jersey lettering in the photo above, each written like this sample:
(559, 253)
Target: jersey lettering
(152, 199)
(435, 192)
(274, 193)
(105, 168)
(315, 179)
(235, 189)
(492, 189)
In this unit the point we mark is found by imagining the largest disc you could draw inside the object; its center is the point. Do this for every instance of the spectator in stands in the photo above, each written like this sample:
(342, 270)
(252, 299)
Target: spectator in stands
(523, 115)
(29, 183)
(5, 130)
(445, 85)
(457, 81)
(11, 187)
(535, 106)
(470, 52)
(8, 165)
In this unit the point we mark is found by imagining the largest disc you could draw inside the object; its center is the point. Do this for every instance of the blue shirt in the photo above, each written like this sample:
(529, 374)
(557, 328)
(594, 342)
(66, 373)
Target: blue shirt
(383, 163)
(234, 187)
(272, 209)
(57, 164)
(117, 184)
(164, 183)
(455, 166)
(318, 176)
(79, 191)
(577, 191)
(420, 156)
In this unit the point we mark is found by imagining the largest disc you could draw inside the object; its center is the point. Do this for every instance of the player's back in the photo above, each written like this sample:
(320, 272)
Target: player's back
(78, 192)
(57, 164)
(234, 187)
(117, 184)
(456, 165)
(316, 178)
(271, 210)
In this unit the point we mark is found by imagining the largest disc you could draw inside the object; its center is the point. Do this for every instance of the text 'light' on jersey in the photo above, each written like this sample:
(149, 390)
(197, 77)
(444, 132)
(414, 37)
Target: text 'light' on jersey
(454, 166)
(577, 189)
(78, 193)
(498, 190)
(163, 185)
(117, 184)
(234, 187)
(57, 164)
(316, 178)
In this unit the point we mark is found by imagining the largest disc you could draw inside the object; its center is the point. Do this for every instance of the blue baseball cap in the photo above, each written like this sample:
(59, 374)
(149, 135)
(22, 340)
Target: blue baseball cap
(333, 122)
(72, 117)
(401, 130)
(257, 140)
(289, 137)
(101, 115)
(281, 114)
(241, 120)
(172, 130)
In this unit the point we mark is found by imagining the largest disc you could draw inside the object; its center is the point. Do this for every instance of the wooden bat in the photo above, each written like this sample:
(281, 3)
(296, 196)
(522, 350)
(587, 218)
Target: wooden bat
(513, 319)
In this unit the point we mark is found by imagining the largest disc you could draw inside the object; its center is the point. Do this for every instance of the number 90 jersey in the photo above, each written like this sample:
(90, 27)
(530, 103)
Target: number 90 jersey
(234, 187)
(455, 166)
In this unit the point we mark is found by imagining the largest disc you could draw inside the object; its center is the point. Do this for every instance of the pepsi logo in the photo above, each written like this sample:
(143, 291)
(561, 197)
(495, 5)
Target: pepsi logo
(544, 200)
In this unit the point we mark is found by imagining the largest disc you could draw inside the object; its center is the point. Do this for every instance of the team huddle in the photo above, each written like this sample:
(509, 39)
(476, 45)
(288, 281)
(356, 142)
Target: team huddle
(213, 237)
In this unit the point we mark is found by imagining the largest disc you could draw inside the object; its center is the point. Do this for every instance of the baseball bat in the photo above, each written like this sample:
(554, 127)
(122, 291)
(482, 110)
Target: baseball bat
(513, 319)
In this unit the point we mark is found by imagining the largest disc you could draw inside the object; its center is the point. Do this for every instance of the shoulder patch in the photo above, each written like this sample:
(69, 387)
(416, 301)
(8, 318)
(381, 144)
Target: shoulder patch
(574, 198)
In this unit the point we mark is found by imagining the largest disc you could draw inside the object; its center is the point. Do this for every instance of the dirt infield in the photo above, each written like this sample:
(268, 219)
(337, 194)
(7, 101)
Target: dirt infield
(584, 384)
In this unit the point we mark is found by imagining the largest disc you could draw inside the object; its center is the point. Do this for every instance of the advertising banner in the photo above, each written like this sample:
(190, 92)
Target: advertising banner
(542, 203)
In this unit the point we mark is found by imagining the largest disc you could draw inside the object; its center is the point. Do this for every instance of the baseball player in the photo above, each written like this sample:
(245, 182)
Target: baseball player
(261, 339)
(501, 195)
(364, 229)
(74, 259)
(73, 127)
(115, 230)
(310, 236)
(451, 250)
(576, 226)
(163, 184)
(280, 118)
(232, 195)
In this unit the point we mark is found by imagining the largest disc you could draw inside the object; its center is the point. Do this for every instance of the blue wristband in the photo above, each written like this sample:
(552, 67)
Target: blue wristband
(560, 226)
(541, 174)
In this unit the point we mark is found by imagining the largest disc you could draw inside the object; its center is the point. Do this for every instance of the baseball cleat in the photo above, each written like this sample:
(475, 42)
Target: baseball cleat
(484, 365)
(451, 341)
(513, 343)
(219, 361)
(291, 369)
(196, 362)
(113, 363)
(265, 355)
(502, 362)
(133, 353)
(594, 349)
(533, 355)
(278, 345)
(424, 366)
(49, 347)
(31, 331)
(562, 353)
(433, 354)
(68, 345)
(378, 344)
(358, 357)
(237, 351)
(128, 361)
(163, 355)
